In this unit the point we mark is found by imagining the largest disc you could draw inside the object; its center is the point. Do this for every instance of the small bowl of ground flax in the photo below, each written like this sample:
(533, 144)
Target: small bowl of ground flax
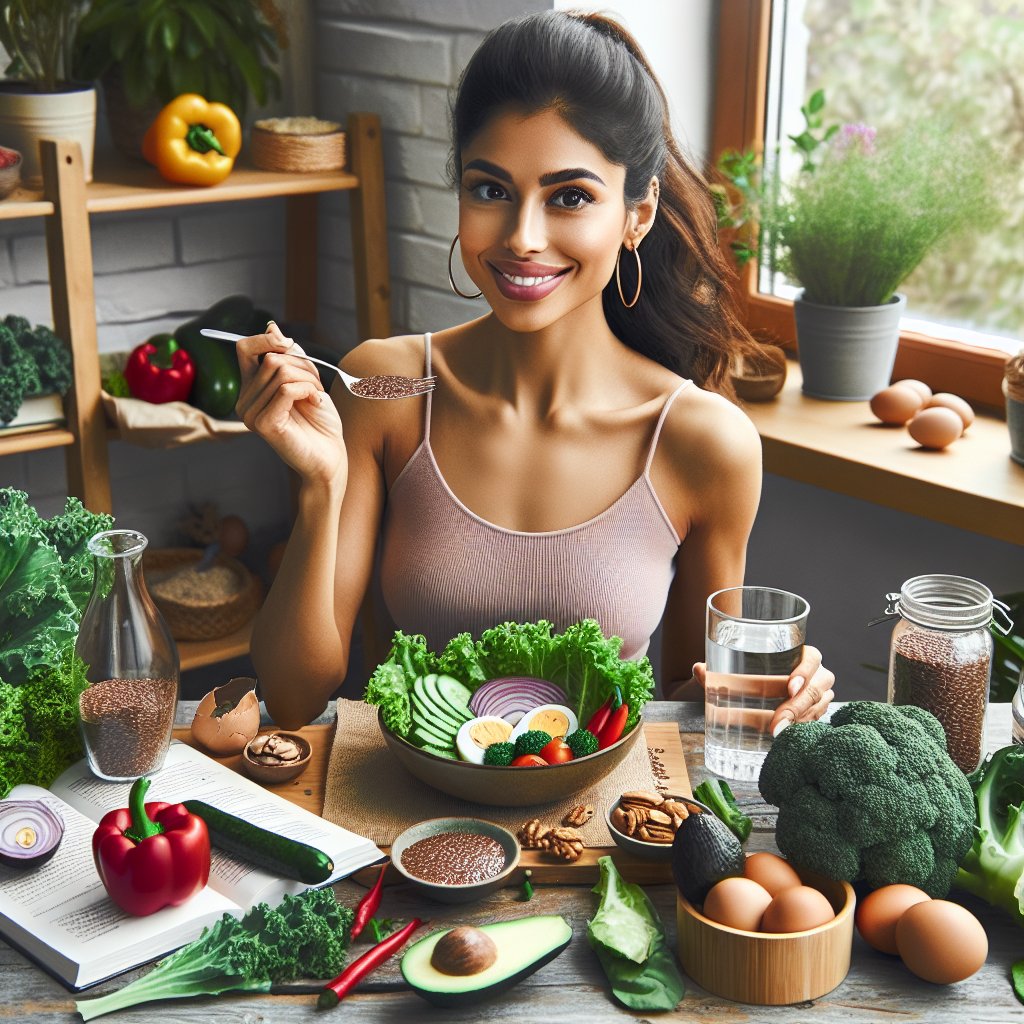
(201, 603)
(456, 860)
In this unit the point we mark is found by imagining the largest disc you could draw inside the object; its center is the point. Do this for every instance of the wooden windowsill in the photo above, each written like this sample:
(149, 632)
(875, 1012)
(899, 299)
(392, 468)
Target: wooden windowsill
(840, 446)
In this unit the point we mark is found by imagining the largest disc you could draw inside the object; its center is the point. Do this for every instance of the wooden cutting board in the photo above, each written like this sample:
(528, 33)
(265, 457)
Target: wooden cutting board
(667, 761)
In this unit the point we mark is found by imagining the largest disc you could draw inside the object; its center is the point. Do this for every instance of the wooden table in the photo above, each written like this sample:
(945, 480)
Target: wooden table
(572, 987)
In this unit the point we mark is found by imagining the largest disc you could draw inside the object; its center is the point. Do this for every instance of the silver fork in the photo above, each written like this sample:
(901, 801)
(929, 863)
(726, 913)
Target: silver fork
(379, 386)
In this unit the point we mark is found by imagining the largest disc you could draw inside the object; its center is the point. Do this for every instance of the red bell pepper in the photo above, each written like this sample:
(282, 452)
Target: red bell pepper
(159, 371)
(151, 855)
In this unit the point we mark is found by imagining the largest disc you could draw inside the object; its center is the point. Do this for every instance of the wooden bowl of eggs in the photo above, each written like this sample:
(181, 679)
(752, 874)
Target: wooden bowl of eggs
(805, 954)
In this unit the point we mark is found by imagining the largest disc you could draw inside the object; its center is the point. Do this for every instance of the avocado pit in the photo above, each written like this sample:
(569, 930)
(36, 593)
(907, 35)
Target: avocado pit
(463, 951)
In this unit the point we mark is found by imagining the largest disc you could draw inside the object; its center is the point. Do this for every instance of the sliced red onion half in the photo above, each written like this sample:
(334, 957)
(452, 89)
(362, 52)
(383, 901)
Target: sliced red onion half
(30, 833)
(512, 696)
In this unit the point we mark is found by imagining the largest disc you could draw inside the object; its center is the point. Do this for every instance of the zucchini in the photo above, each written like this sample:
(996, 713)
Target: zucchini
(275, 853)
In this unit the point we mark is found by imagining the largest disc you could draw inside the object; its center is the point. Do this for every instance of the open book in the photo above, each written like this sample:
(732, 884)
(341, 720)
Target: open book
(60, 915)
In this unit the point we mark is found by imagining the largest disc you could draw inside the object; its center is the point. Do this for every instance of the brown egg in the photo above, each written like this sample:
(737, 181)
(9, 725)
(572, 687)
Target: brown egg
(941, 942)
(879, 911)
(896, 404)
(945, 400)
(935, 428)
(238, 722)
(737, 903)
(918, 385)
(797, 910)
(771, 872)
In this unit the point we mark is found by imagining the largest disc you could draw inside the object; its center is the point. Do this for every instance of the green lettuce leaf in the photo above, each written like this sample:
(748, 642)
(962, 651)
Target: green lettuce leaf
(629, 939)
(582, 661)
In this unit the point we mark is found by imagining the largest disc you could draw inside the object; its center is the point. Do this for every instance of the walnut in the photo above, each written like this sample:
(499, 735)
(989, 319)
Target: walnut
(579, 815)
(532, 833)
(564, 843)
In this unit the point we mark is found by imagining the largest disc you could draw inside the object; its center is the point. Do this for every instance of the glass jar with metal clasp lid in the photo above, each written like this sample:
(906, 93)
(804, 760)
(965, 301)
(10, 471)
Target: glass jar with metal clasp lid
(940, 656)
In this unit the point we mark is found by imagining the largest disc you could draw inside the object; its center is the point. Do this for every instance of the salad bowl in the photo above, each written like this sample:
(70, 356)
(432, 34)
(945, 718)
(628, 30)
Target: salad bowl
(506, 786)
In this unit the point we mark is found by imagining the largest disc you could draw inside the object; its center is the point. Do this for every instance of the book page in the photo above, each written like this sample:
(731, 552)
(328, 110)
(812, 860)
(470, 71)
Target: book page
(61, 915)
(188, 774)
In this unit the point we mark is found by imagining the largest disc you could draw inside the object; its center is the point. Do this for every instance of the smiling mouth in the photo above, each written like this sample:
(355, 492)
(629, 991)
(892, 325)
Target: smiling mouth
(523, 287)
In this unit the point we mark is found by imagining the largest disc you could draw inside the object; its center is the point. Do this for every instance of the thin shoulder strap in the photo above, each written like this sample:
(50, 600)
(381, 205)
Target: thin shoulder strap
(426, 356)
(661, 420)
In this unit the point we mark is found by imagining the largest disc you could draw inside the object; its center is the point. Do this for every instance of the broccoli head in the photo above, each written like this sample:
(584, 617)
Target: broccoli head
(994, 866)
(500, 754)
(872, 795)
(533, 741)
(582, 742)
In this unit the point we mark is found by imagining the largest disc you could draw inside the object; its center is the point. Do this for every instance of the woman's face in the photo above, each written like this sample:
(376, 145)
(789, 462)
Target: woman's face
(541, 218)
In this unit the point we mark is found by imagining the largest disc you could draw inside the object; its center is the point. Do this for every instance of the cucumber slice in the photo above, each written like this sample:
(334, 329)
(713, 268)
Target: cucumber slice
(438, 752)
(424, 737)
(450, 693)
(430, 713)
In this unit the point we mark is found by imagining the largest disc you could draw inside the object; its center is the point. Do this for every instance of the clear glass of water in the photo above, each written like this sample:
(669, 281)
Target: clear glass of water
(753, 641)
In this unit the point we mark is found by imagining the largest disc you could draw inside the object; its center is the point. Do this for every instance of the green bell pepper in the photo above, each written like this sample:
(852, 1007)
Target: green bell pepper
(217, 375)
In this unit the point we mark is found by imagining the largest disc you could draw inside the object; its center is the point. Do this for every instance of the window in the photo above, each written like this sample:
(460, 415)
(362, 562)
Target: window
(878, 61)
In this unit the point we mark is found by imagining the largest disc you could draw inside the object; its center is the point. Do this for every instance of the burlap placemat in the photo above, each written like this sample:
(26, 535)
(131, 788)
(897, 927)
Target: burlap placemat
(370, 793)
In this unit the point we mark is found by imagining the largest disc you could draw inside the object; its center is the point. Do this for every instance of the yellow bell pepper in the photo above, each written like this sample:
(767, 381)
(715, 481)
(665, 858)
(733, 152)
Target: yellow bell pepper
(193, 142)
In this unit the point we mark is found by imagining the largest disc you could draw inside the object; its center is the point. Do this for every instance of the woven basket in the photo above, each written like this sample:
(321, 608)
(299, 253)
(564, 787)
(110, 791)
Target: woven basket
(297, 151)
(199, 616)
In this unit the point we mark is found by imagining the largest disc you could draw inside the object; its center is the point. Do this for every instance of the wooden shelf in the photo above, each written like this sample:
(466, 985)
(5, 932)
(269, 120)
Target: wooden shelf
(196, 653)
(840, 446)
(119, 186)
(34, 440)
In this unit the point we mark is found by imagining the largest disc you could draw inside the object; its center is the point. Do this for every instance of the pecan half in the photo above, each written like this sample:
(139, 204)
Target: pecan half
(579, 815)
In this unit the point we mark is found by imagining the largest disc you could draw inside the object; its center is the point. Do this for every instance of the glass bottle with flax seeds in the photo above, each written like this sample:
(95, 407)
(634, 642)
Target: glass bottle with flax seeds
(941, 658)
(126, 713)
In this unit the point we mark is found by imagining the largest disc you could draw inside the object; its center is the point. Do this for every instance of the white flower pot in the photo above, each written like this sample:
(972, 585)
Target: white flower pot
(26, 117)
(847, 352)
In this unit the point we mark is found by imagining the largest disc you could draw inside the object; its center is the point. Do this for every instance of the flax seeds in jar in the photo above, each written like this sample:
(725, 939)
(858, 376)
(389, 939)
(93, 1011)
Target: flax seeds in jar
(941, 658)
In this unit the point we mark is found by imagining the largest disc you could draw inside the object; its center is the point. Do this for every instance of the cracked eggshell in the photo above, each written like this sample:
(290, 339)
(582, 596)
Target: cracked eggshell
(228, 733)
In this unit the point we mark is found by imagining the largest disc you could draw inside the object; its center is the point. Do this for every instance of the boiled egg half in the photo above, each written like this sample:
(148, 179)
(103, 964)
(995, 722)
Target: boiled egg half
(478, 734)
(554, 719)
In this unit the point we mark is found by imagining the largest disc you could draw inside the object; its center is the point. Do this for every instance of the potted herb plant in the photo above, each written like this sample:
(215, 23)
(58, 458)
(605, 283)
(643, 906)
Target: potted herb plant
(850, 226)
(40, 99)
(146, 54)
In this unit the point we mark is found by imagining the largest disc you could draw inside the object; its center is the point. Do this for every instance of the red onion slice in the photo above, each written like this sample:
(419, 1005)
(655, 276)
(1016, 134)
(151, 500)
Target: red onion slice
(30, 833)
(512, 696)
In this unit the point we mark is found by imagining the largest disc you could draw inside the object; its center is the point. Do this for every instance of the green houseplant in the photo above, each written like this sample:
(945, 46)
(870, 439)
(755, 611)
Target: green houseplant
(146, 52)
(850, 226)
(40, 97)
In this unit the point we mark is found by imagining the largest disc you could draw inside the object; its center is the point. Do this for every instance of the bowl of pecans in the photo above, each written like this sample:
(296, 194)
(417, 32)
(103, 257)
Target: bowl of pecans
(645, 822)
(275, 757)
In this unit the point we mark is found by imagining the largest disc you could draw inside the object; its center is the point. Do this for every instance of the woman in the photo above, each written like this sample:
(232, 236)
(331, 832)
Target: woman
(575, 459)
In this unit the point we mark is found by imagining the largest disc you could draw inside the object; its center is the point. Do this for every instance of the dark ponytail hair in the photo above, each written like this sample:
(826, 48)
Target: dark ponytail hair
(590, 70)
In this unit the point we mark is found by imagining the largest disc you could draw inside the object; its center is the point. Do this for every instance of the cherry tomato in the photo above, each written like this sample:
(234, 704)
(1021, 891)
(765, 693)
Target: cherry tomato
(529, 761)
(556, 752)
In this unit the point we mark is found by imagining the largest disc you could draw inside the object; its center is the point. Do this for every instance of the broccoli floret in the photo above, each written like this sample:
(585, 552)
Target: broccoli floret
(994, 866)
(533, 741)
(718, 795)
(873, 795)
(582, 743)
(500, 754)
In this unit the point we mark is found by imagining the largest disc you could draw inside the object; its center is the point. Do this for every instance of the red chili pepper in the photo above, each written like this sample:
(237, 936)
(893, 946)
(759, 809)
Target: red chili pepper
(151, 855)
(613, 727)
(600, 716)
(159, 371)
(336, 990)
(368, 905)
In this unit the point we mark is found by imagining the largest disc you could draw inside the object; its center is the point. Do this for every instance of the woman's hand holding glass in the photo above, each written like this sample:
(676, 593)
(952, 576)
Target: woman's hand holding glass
(283, 400)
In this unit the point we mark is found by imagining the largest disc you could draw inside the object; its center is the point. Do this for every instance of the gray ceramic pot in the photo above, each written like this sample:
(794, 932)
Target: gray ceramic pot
(1015, 423)
(847, 352)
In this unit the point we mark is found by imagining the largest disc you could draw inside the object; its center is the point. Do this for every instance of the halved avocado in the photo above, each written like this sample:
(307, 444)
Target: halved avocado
(523, 946)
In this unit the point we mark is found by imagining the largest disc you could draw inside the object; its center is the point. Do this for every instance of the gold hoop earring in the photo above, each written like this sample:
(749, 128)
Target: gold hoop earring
(639, 277)
(451, 277)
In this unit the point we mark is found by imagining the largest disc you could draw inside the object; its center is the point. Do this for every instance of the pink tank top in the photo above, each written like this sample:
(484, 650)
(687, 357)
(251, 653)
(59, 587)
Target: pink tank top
(444, 570)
